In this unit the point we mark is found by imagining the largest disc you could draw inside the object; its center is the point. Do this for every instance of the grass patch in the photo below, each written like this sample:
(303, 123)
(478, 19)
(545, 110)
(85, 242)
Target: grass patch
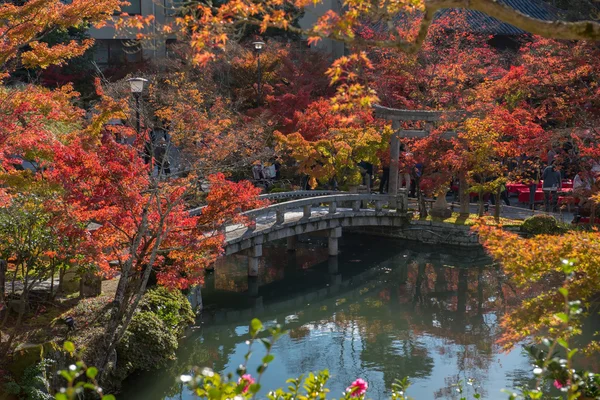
(472, 219)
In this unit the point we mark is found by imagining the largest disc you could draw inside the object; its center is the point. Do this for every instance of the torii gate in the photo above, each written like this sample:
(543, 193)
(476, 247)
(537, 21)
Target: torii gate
(396, 115)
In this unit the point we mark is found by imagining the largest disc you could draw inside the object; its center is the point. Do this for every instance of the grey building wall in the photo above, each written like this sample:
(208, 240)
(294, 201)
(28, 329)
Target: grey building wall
(311, 16)
(109, 40)
(117, 46)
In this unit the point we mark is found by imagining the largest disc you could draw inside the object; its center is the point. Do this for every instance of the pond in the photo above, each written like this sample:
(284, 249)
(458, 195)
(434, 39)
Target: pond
(382, 310)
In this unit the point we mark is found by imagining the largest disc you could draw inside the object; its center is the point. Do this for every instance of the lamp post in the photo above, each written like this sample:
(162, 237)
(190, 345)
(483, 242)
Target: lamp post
(137, 86)
(258, 47)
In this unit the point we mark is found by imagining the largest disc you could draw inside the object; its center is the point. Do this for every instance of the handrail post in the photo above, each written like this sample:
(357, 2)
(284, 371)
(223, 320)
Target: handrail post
(356, 205)
(280, 216)
(378, 205)
(332, 207)
(252, 224)
(307, 211)
(402, 201)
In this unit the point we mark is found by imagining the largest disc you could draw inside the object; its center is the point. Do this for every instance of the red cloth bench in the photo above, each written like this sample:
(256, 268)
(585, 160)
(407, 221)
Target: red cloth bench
(524, 196)
(515, 187)
(568, 200)
(586, 220)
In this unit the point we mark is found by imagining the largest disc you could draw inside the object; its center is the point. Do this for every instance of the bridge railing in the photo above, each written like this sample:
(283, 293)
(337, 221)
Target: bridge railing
(381, 203)
(298, 194)
(295, 194)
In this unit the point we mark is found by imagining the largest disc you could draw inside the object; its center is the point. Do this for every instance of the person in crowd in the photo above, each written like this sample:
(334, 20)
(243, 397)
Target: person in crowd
(147, 154)
(257, 171)
(269, 172)
(595, 170)
(162, 158)
(552, 182)
(277, 165)
(305, 182)
(582, 187)
(530, 167)
(384, 180)
(417, 171)
(366, 169)
(551, 155)
(404, 175)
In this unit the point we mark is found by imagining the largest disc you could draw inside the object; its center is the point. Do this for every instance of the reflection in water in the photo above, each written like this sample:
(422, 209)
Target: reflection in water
(381, 311)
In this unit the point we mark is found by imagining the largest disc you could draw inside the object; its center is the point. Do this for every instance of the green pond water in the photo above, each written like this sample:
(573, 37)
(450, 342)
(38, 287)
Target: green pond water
(382, 310)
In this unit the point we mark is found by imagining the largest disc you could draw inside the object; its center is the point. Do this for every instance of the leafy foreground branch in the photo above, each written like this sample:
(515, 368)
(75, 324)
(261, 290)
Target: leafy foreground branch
(555, 376)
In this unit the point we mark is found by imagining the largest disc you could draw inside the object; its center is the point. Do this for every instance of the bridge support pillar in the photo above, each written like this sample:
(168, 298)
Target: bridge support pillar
(334, 235)
(291, 266)
(332, 265)
(291, 243)
(209, 280)
(254, 260)
(253, 286)
(335, 279)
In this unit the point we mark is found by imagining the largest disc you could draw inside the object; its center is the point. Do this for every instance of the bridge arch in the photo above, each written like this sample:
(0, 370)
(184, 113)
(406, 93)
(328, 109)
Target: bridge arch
(329, 213)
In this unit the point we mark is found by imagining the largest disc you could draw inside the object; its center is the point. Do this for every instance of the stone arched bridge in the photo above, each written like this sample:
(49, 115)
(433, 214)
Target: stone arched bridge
(311, 211)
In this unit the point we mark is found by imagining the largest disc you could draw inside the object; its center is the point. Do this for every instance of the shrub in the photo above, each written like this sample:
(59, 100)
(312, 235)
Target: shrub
(171, 307)
(34, 384)
(147, 344)
(278, 190)
(541, 225)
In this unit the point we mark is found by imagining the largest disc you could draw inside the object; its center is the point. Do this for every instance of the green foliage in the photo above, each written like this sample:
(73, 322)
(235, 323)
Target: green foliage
(150, 341)
(34, 384)
(170, 306)
(24, 229)
(556, 363)
(147, 344)
(80, 379)
(278, 190)
(541, 225)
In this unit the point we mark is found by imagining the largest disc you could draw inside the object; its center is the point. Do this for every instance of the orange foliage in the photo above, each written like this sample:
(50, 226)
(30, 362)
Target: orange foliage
(25, 25)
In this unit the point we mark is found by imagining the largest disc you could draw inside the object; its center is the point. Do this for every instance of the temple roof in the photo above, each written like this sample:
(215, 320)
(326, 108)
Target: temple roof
(482, 23)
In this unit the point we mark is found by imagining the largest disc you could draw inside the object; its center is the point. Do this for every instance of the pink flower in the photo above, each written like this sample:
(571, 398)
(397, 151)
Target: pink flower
(247, 380)
(358, 388)
(559, 385)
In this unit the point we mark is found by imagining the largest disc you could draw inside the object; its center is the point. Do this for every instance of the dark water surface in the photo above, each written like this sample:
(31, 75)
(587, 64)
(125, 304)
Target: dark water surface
(383, 310)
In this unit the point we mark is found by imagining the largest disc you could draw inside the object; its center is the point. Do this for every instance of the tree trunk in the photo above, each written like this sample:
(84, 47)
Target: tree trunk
(463, 193)
(61, 278)
(52, 271)
(420, 199)
(498, 205)
(119, 304)
(141, 289)
(3, 269)
(480, 201)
